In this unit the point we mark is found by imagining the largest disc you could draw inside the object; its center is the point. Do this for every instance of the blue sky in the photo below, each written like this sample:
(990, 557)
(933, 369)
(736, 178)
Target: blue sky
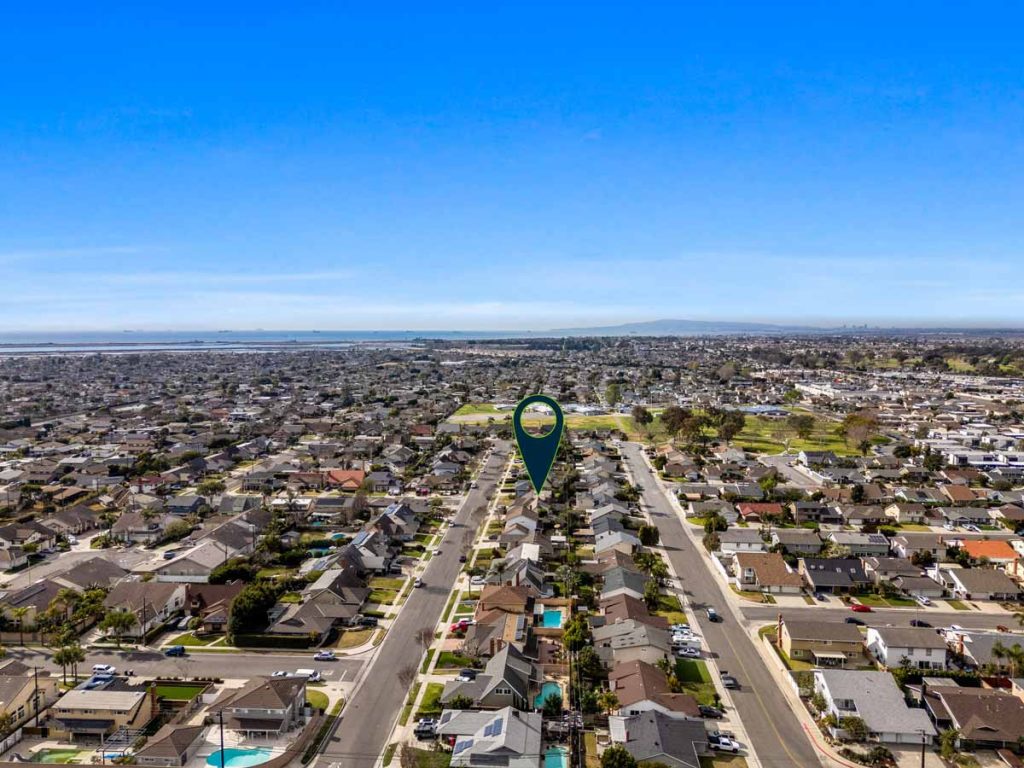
(529, 165)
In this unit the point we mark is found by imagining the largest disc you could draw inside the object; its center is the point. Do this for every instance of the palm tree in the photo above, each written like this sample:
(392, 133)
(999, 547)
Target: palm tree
(68, 599)
(1019, 616)
(61, 656)
(1000, 651)
(19, 615)
(75, 656)
(118, 622)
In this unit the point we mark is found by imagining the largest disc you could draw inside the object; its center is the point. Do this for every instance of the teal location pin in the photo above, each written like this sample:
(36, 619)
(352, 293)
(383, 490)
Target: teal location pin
(538, 452)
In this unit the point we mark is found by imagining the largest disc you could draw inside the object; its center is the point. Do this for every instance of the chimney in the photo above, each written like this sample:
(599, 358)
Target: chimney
(778, 632)
(960, 644)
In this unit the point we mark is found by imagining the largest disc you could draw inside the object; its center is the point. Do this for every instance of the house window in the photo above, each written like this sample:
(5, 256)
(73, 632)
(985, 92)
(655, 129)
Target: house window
(503, 691)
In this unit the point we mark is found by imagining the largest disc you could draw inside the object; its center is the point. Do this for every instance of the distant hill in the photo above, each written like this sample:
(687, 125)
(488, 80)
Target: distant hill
(685, 328)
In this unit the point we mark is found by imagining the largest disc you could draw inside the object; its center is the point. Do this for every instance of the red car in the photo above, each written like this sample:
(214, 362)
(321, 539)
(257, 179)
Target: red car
(461, 625)
(860, 608)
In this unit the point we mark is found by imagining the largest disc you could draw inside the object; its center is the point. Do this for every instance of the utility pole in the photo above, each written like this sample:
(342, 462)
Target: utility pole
(923, 739)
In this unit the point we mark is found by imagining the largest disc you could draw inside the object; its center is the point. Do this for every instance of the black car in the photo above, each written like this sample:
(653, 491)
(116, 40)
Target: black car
(462, 558)
(711, 712)
(368, 621)
(919, 623)
(854, 620)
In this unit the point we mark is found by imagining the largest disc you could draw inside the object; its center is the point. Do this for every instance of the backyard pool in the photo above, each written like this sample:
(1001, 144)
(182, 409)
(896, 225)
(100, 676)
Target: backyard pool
(239, 758)
(555, 757)
(552, 618)
(549, 688)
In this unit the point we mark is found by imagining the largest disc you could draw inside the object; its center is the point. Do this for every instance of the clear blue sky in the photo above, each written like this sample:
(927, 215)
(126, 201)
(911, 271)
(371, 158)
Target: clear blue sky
(334, 166)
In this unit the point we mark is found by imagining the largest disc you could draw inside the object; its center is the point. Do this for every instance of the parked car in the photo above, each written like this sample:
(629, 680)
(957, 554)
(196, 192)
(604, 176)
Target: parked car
(723, 742)
(466, 675)
(313, 675)
(324, 656)
(922, 600)
(368, 621)
(713, 615)
(462, 558)
(175, 650)
(418, 582)
(729, 681)
(972, 528)
(854, 620)
(688, 653)
(426, 728)
(919, 623)
(280, 673)
(680, 629)
(459, 626)
(860, 608)
(711, 713)
(820, 597)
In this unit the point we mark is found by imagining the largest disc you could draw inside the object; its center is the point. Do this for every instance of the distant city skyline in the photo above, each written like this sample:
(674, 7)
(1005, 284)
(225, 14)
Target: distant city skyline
(525, 168)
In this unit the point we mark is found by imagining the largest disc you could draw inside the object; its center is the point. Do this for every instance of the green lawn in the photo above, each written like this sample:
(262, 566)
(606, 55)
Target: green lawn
(426, 661)
(958, 605)
(317, 699)
(382, 596)
(189, 639)
(430, 704)
(476, 409)
(759, 434)
(385, 583)
(179, 692)
(692, 671)
(403, 717)
(721, 761)
(353, 638)
(449, 660)
(290, 597)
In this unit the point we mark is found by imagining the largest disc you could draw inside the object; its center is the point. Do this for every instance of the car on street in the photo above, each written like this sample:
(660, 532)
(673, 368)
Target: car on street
(175, 650)
(854, 620)
(324, 656)
(919, 623)
(729, 681)
(462, 558)
(104, 669)
(860, 608)
(688, 653)
(713, 615)
(418, 583)
(280, 673)
(711, 713)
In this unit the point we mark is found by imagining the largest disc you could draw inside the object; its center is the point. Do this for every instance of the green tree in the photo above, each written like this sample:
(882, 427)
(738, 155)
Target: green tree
(211, 487)
(613, 394)
(576, 633)
(673, 418)
(641, 416)
(552, 706)
(460, 701)
(617, 756)
(589, 664)
(652, 594)
(802, 424)
(118, 622)
(855, 728)
(235, 569)
(608, 701)
(731, 424)
(948, 743)
(648, 535)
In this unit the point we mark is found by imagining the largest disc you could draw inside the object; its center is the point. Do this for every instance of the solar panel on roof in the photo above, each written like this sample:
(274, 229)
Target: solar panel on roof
(462, 746)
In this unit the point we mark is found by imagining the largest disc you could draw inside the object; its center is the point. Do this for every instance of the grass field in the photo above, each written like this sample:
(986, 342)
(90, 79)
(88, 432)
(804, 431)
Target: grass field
(385, 583)
(696, 680)
(449, 660)
(353, 638)
(382, 596)
(669, 608)
(188, 639)
(958, 605)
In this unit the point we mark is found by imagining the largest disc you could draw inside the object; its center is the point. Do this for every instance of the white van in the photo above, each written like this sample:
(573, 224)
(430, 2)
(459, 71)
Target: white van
(310, 674)
(103, 669)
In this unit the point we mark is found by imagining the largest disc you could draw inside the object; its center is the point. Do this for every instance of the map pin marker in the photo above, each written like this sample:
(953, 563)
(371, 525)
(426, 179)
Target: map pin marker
(538, 452)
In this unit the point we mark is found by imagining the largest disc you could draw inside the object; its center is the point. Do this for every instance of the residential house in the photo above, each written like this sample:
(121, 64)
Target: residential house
(917, 543)
(626, 607)
(822, 643)
(875, 698)
(741, 540)
(860, 544)
(265, 707)
(833, 574)
(152, 603)
(654, 738)
(333, 600)
(642, 687)
(906, 512)
(797, 541)
(995, 552)
(86, 715)
(917, 647)
(623, 581)
(815, 512)
(507, 738)
(766, 572)
(172, 746)
(211, 604)
(19, 688)
(194, 565)
(756, 511)
(985, 718)
(978, 584)
(631, 640)
(507, 680)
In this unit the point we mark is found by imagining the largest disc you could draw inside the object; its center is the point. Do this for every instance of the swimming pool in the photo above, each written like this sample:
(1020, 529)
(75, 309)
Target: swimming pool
(555, 757)
(549, 688)
(552, 618)
(239, 758)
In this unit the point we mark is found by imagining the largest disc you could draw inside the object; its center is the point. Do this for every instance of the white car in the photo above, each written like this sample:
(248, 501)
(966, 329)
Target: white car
(688, 653)
(280, 673)
(103, 669)
(323, 656)
(683, 629)
(723, 742)
(922, 600)
(972, 528)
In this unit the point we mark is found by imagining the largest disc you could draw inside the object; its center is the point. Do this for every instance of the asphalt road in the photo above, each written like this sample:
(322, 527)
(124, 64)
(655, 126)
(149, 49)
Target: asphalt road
(772, 727)
(197, 664)
(368, 717)
(897, 617)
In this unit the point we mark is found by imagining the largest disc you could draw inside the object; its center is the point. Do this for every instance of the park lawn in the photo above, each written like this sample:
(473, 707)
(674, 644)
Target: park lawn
(179, 692)
(430, 704)
(189, 639)
(382, 596)
(757, 435)
(450, 660)
(476, 409)
(353, 638)
(317, 699)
